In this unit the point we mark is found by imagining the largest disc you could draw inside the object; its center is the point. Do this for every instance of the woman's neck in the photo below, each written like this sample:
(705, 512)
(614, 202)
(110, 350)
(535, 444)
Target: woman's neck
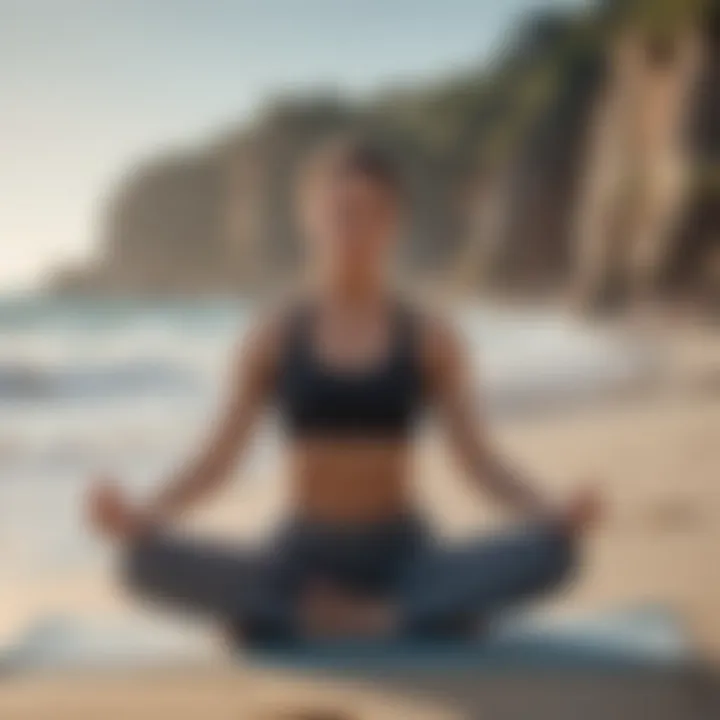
(352, 298)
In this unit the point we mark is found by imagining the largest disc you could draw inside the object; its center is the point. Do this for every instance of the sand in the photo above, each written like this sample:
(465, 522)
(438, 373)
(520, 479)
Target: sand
(655, 454)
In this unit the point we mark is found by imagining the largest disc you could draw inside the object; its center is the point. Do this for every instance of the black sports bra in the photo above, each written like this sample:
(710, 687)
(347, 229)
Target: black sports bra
(381, 401)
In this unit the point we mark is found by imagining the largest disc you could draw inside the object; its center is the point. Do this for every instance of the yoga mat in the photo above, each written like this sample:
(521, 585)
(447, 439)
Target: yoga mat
(630, 663)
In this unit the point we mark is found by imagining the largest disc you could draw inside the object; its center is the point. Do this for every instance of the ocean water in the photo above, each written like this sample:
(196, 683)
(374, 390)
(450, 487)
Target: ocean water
(128, 387)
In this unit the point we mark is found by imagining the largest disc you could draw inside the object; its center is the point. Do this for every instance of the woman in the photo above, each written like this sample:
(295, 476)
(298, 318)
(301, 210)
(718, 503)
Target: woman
(351, 368)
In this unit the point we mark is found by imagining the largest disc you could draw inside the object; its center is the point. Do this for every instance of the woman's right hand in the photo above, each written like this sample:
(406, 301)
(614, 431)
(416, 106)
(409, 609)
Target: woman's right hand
(583, 511)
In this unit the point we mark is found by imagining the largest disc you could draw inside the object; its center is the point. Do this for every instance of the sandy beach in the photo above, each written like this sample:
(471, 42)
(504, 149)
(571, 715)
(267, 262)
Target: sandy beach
(655, 453)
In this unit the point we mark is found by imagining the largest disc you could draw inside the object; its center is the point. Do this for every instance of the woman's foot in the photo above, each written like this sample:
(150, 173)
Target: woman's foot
(327, 612)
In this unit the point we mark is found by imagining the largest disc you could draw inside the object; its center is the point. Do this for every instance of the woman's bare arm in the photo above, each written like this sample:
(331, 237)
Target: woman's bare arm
(251, 383)
(455, 396)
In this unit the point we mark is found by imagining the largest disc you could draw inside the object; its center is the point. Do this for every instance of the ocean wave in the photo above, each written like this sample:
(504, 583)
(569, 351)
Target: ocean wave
(46, 314)
(132, 378)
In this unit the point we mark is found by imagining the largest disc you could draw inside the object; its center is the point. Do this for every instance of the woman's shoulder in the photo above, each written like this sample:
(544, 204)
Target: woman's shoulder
(274, 323)
(437, 337)
(433, 320)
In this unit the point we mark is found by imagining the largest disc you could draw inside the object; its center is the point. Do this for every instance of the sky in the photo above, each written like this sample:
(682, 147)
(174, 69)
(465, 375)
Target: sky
(88, 88)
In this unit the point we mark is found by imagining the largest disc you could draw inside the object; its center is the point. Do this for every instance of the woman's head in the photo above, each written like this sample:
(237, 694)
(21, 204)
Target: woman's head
(350, 209)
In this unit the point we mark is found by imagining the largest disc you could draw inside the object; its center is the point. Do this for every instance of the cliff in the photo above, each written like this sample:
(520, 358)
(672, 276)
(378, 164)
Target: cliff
(582, 159)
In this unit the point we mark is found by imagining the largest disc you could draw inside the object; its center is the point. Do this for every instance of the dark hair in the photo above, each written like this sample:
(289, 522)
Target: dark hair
(358, 155)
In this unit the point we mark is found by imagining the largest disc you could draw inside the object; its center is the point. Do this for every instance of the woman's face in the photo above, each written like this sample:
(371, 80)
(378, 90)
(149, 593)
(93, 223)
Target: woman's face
(350, 221)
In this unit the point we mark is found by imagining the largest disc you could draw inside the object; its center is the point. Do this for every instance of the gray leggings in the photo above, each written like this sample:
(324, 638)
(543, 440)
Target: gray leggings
(438, 587)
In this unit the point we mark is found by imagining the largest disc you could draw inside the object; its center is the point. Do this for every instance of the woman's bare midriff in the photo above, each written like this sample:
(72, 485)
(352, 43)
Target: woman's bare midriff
(350, 481)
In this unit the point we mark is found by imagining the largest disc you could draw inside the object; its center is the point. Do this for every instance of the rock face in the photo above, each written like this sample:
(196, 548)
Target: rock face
(584, 159)
(524, 223)
(259, 233)
(221, 220)
(639, 172)
(613, 193)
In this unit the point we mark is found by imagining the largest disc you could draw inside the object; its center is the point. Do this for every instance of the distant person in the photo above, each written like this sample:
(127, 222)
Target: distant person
(352, 367)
